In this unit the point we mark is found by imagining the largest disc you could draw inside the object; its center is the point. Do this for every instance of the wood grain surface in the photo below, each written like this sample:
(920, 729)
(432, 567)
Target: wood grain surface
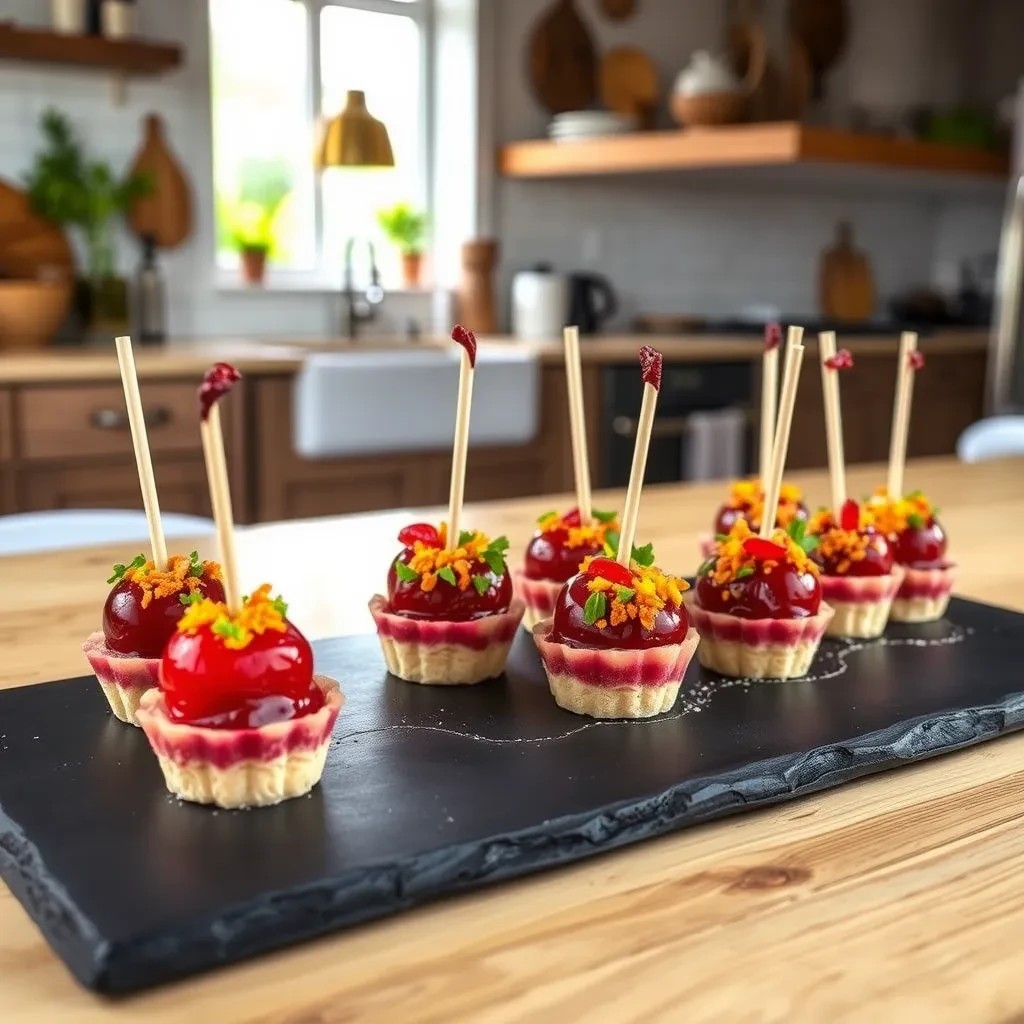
(896, 897)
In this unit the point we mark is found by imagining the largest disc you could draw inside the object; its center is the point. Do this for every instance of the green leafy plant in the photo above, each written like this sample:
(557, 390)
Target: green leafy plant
(249, 226)
(68, 188)
(405, 227)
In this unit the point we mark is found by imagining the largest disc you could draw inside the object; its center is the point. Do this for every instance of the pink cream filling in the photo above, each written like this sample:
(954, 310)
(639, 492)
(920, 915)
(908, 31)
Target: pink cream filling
(929, 583)
(757, 632)
(539, 595)
(186, 744)
(862, 589)
(476, 634)
(128, 671)
(611, 668)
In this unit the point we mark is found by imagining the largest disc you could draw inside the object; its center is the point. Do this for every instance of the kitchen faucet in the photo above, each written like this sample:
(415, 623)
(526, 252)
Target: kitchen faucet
(361, 307)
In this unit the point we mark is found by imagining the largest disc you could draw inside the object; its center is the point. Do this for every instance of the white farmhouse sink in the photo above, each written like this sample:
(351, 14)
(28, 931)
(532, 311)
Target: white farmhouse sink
(362, 403)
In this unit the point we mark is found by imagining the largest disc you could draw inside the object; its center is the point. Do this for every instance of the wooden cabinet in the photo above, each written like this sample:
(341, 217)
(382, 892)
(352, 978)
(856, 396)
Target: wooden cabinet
(6, 452)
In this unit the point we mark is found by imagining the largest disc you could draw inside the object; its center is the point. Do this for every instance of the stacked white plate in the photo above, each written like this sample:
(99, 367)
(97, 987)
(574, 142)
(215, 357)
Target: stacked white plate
(588, 124)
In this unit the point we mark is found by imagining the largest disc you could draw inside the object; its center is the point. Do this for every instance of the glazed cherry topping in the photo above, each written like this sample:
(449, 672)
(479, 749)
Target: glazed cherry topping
(570, 625)
(728, 515)
(548, 557)
(425, 533)
(206, 683)
(782, 593)
(921, 547)
(445, 602)
(877, 560)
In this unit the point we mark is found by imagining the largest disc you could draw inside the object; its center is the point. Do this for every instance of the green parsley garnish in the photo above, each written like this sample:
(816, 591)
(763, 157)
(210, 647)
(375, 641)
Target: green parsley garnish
(747, 570)
(797, 531)
(494, 555)
(192, 597)
(916, 521)
(547, 515)
(625, 594)
(447, 574)
(603, 517)
(482, 584)
(280, 606)
(706, 567)
(643, 556)
(195, 567)
(120, 570)
(465, 536)
(611, 543)
(595, 608)
(227, 629)
(721, 536)
(404, 573)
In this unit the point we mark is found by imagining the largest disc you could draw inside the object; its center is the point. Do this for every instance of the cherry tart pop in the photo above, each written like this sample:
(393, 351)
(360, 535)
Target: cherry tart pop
(758, 606)
(919, 545)
(746, 501)
(859, 575)
(619, 642)
(140, 615)
(239, 718)
(449, 617)
(554, 555)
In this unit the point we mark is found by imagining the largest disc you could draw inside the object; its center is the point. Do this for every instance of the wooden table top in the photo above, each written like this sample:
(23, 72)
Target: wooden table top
(899, 893)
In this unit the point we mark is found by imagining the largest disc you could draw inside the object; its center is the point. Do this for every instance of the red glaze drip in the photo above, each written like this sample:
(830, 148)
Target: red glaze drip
(467, 339)
(877, 561)
(916, 359)
(131, 629)
(426, 533)
(270, 680)
(570, 626)
(842, 360)
(650, 366)
(772, 336)
(921, 547)
(757, 547)
(445, 603)
(217, 382)
(611, 570)
(782, 593)
(728, 514)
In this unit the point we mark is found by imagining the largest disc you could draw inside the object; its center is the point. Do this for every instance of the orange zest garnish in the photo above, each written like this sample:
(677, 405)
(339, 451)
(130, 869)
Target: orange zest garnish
(844, 547)
(650, 591)
(738, 556)
(748, 496)
(579, 535)
(260, 613)
(433, 563)
(891, 516)
(182, 576)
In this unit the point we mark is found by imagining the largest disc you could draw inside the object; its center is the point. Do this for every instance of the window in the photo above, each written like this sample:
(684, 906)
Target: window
(277, 67)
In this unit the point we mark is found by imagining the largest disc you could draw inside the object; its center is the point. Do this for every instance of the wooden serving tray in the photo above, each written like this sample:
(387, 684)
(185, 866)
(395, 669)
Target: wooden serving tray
(430, 791)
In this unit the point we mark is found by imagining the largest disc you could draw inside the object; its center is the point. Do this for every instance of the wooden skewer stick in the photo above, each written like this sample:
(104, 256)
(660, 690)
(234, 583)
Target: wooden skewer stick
(901, 414)
(215, 384)
(143, 458)
(460, 449)
(578, 424)
(787, 403)
(833, 422)
(650, 365)
(769, 398)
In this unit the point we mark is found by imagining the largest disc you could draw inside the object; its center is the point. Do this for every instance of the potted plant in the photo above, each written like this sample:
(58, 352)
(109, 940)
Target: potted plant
(249, 225)
(406, 229)
(67, 188)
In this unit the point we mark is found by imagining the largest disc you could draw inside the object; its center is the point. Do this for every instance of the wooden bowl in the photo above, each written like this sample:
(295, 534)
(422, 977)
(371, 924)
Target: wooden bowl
(709, 109)
(31, 311)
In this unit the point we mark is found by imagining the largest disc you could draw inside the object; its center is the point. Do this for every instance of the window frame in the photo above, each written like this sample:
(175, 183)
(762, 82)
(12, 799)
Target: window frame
(326, 275)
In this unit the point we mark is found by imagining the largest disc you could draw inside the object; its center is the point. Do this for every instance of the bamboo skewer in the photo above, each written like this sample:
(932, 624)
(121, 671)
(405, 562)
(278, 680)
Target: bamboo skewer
(143, 457)
(769, 398)
(833, 422)
(787, 403)
(578, 424)
(650, 362)
(460, 448)
(901, 414)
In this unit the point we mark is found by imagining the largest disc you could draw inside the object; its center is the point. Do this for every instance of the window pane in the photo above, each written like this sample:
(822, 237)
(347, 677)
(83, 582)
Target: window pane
(262, 132)
(381, 55)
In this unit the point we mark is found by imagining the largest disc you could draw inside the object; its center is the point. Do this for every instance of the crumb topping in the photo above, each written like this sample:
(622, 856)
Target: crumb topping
(843, 547)
(579, 535)
(741, 552)
(431, 563)
(260, 614)
(747, 495)
(182, 576)
(613, 601)
(891, 516)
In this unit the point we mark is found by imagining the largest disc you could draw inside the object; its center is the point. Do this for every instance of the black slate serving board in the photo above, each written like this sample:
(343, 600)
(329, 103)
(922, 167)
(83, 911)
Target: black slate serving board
(430, 791)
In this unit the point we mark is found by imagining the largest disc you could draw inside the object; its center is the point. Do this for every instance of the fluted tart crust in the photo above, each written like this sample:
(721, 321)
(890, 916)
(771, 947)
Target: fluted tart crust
(123, 678)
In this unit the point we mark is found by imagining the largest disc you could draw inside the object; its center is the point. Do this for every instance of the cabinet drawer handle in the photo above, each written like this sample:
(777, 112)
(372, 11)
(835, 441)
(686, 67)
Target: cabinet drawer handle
(117, 419)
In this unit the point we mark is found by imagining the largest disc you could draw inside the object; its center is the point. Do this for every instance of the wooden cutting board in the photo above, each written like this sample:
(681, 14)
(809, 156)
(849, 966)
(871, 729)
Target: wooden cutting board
(822, 26)
(629, 83)
(166, 213)
(30, 247)
(846, 282)
(562, 60)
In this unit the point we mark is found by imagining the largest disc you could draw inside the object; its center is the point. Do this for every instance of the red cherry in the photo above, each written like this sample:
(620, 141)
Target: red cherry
(849, 515)
(728, 515)
(611, 571)
(425, 533)
(758, 547)
(877, 560)
(921, 547)
(570, 625)
(270, 680)
(131, 629)
(547, 557)
(446, 603)
(782, 593)
(572, 517)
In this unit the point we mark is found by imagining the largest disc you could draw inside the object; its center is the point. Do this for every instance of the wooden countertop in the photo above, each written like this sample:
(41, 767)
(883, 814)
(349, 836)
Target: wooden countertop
(285, 355)
(897, 895)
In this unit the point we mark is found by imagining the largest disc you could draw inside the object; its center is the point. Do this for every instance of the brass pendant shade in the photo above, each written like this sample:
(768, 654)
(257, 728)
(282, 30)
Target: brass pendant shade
(355, 138)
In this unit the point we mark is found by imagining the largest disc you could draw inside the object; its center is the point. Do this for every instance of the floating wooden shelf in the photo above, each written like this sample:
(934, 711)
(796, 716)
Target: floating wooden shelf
(784, 143)
(128, 56)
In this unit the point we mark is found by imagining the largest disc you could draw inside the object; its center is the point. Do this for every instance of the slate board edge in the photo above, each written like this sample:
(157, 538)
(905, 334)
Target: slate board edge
(282, 919)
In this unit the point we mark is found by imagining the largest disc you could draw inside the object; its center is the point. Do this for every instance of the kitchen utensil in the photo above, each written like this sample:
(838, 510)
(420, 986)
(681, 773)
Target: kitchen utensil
(540, 303)
(562, 59)
(30, 247)
(166, 213)
(847, 288)
(592, 301)
(477, 305)
(31, 311)
(618, 10)
(822, 26)
(629, 83)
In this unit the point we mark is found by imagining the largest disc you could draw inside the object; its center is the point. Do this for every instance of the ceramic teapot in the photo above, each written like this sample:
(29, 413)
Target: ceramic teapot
(706, 74)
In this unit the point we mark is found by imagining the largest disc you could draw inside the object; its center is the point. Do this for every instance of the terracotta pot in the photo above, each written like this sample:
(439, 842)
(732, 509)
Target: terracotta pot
(412, 266)
(254, 265)
(31, 311)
